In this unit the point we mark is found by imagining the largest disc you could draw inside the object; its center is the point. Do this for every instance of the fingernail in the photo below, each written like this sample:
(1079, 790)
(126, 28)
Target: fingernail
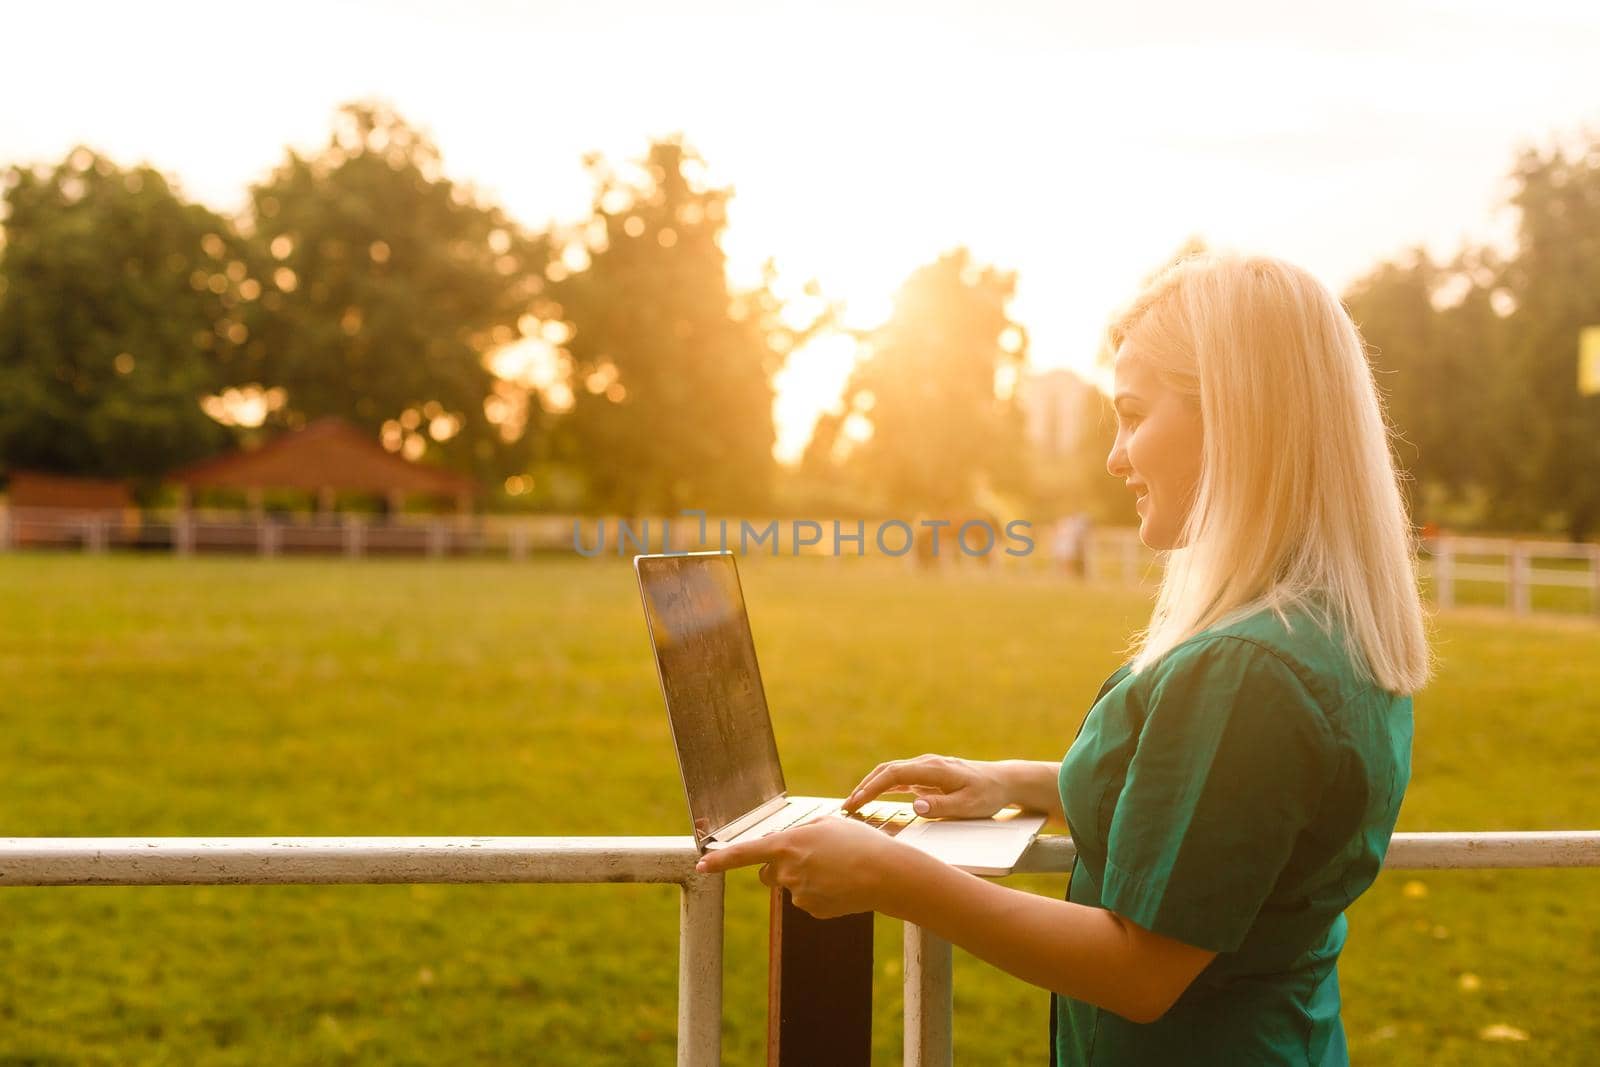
(920, 807)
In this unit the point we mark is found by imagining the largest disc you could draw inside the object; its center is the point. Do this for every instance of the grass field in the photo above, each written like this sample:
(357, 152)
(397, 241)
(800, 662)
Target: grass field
(243, 697)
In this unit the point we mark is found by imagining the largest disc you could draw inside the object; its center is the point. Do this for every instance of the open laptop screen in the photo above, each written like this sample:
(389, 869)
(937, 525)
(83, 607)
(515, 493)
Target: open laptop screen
(715, 703)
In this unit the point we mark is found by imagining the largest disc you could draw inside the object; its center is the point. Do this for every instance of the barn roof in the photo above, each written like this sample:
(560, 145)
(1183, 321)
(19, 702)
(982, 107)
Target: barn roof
(37, 489)
(329, 453)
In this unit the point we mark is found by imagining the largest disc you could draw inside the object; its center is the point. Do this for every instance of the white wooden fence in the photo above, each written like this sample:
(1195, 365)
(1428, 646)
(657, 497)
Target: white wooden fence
(1517, 568)
(365, 860)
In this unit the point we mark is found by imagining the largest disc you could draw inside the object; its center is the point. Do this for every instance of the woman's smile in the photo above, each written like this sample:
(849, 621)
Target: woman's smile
(1158, 445)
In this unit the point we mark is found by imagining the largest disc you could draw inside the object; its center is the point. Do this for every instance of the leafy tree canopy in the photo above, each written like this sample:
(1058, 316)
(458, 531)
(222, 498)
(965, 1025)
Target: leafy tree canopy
(385, 285)
(670, 368)
(933, 393)
(120, 306)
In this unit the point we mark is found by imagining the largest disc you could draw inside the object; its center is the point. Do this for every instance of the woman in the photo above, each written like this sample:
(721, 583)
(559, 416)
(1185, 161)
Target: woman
(1234, 786)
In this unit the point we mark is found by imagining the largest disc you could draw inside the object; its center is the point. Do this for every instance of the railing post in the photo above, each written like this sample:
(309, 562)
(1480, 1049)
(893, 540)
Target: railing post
(700, 972)
(5, 530)
(929, 999)
(1444, 579)
(519, 541)
(1130, 559)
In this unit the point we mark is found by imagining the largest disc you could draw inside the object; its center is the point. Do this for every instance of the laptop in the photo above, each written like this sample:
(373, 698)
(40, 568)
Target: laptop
(706, 660)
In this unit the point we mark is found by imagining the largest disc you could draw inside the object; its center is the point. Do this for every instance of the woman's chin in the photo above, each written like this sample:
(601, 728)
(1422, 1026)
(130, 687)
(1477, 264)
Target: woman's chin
(1153, 539)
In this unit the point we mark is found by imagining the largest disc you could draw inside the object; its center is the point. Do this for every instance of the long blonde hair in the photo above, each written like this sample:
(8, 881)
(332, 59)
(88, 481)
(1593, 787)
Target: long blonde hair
(1298, 503)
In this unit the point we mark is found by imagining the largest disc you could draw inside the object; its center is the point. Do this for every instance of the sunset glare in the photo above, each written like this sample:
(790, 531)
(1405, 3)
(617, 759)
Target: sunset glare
(1078, 147)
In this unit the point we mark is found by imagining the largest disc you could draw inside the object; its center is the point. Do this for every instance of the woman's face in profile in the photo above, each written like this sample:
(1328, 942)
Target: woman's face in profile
(1157, 450)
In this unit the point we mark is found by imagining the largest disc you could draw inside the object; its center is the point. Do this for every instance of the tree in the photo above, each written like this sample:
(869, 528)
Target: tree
(121, 307)
(386, 286)
(1478, 356)
(1552, 287)
(936, 387)
(1433, 338)
(671, 370)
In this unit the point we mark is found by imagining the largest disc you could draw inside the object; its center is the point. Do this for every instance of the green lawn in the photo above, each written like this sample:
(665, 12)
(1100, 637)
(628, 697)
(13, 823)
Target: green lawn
(241, 697)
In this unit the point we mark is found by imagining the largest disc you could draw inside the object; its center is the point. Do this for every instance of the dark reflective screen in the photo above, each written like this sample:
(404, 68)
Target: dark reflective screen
(713, 688)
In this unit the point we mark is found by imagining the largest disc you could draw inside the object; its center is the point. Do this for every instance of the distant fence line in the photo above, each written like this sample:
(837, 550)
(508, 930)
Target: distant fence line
(1493, 572)
(357, 535)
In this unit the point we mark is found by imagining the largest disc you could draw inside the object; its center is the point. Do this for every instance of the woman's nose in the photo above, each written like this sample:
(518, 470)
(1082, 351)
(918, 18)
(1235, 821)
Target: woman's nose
(1117, 459)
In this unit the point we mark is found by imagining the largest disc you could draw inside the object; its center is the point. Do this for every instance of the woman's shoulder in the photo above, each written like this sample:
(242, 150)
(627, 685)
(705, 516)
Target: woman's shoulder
(1297, 646)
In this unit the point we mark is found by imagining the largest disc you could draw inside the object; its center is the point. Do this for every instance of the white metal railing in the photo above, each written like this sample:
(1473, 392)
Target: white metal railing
(82, 861)
(368, 860)
(928, 964)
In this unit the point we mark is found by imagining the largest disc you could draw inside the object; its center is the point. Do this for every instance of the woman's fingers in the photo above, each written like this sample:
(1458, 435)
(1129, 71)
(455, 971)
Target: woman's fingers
(960, 804)
(851, 802)
(761, 850)
(935, 772)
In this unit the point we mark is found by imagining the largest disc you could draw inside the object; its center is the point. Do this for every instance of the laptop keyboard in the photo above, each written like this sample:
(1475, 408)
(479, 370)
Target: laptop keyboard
(890, 818)
(886, 816)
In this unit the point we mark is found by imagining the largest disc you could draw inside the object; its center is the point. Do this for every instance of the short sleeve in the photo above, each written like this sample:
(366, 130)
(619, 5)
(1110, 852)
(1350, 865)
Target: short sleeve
(1232, 759)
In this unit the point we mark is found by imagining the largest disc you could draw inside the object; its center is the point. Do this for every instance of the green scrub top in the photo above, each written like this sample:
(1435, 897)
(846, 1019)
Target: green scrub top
(1237, 795)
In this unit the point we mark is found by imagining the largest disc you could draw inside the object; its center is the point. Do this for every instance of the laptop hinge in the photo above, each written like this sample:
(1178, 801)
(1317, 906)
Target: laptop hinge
(748, 819)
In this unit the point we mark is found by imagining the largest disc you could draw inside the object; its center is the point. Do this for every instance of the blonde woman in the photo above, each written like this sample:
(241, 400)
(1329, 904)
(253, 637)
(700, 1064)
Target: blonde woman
(1234, 786)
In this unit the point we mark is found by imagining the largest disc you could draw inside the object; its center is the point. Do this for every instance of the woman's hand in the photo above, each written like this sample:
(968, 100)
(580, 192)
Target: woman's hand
(830, 866)
(946, 787)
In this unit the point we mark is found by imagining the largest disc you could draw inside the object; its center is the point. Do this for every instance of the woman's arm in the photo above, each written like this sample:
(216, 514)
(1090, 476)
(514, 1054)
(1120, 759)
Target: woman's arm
(1086, 953)
(835, 866)
(1034, 784)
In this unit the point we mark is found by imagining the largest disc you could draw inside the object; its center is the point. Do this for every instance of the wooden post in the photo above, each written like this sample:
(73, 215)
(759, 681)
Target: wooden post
(436, 534)
(819, 988)
(519, 541)
(266, 537)
(1130, 559)
(1594, 576)
(1517, 575)
(5, 529)
(183, 525)
(354, 543)
(1444, 578)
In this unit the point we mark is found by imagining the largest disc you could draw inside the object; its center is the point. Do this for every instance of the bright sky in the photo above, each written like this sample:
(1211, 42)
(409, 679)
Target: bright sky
(1078, 147)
